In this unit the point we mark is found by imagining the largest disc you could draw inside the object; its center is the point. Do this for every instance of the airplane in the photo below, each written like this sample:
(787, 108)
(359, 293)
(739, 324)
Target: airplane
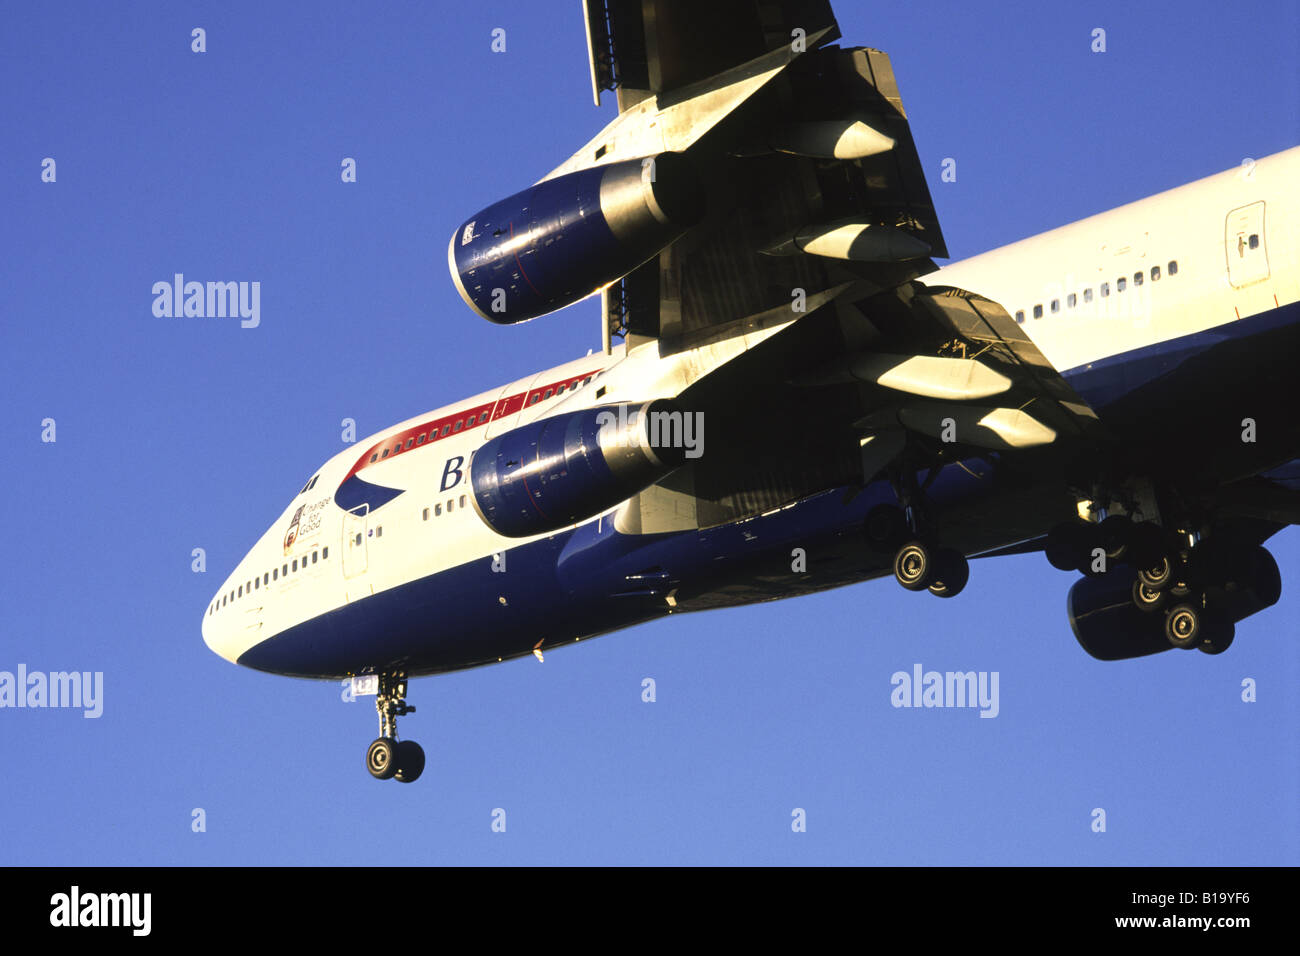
(792, 396)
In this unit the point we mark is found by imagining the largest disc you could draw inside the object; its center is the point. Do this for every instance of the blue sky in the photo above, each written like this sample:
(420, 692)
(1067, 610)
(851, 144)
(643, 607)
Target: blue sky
(174, 434)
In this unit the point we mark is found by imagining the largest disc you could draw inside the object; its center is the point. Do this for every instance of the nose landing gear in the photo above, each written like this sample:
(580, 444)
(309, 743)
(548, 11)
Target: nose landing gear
(387, 757)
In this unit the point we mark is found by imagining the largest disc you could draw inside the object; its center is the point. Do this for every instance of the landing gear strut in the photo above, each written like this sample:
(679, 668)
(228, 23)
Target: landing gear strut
(388, 757)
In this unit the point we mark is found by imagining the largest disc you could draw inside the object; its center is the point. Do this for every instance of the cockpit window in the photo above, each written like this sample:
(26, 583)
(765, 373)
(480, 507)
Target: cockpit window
(310, 485)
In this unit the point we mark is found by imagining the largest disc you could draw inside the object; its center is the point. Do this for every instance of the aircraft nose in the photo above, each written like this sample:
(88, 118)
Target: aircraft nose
(218, 637)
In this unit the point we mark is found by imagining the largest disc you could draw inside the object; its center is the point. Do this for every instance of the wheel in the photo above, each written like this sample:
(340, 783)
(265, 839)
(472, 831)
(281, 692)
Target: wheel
(914, 566)
(885, 527)
(1146, 545)
(1217, 635)
(1146, 598)
(410, 761)
(381, 758)
(1158, 575)
(1183, 626)
(1092, 546)
(1064, 544)
(1116, 531)
(951, 572)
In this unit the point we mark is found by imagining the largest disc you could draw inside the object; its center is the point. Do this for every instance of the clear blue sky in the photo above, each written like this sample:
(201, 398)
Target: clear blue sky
(182, 433)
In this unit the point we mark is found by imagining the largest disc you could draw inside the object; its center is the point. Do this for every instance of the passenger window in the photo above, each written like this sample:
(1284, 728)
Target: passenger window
(1253, 242)
(385, 454)
(1173, 267)
(223, 600)
(1087, 294)
(1038, 311)
(410, 442)
(324, 553)
(426, 514)
(1121, 284)
(240, 592)
(458, 426)
(533, 399)
(462, 501)
(469, 422)
(313, 556)
(266, 578)
(295, 564)
(450, 505)
(374, 457)
(551, 391)
(1056, 306)
(587, 380)
(1155, 273)
(275, 574)
(1105, 289)
(437, 510)
(560, 390)
(284, 571)
(420, 439)
(397, 448)
(379, 532)
(1071, 300)
(445, 429)
(1020, 316)
(257, 583)
(1137, 278)
(358, 538)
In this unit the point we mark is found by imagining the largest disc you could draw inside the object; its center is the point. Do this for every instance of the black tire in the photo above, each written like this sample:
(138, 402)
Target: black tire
(1091, 547)
(410, 761)
(914, 566)
(1217, 635)
(951, 572)
(1158, 576)
(1116, 532)
(885, 527)
(381, 758)
(1183, 626)
(1147, 599)
(1063, 545)
(1146, 545)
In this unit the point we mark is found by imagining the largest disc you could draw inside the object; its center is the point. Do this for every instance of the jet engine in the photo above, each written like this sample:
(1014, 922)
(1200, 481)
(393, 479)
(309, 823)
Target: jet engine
(565, 238)
(552, 473)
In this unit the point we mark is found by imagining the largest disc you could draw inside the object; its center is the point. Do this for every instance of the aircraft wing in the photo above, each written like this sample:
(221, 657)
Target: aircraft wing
(643, 48)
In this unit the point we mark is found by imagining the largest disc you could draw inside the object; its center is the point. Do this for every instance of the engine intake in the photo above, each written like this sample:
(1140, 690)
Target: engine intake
(563, 239)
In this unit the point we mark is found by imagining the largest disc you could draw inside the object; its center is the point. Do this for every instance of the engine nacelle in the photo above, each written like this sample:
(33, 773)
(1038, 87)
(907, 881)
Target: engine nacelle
(558, 471)
(561, 240)
(1107, 624)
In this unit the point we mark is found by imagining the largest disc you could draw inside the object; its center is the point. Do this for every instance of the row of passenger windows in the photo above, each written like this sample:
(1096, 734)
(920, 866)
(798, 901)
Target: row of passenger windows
(536, 397)
(479, 418)
(1072, 300)
(451, 506)
(256, 584)
(433, 433)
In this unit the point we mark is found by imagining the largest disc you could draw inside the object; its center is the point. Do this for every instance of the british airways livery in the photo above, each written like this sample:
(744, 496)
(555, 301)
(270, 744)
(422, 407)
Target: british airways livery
(792, 396)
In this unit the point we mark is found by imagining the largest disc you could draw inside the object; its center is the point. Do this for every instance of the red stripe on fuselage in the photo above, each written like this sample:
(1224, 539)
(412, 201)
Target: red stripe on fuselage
(426, 433)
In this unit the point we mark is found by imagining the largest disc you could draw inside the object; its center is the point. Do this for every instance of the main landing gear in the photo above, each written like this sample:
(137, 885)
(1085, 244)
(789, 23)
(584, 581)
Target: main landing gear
(920, 564)
(387, 756)
(1195, 582)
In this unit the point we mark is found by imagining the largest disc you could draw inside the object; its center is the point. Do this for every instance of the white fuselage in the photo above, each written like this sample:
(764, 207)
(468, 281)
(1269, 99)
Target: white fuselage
(1192, 248)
